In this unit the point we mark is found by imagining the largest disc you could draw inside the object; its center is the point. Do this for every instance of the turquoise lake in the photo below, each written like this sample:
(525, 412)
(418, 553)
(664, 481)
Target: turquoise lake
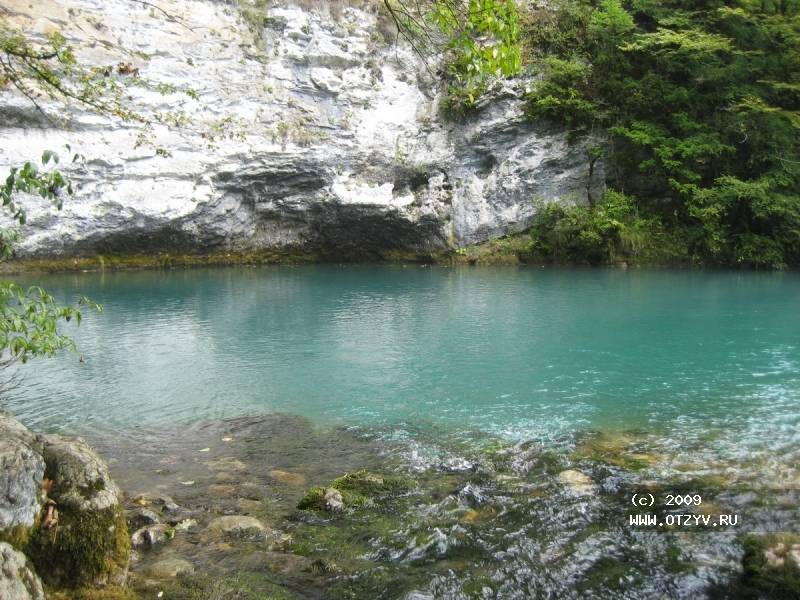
(522, 353)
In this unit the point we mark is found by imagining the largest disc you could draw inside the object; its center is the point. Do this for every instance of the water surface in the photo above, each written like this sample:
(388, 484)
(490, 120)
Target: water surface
(526, 353)
(487, 384)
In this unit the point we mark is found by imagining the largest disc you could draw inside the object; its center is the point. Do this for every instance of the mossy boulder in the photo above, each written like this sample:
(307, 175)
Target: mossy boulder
(61, 508)
(90, 543)
(355, 490)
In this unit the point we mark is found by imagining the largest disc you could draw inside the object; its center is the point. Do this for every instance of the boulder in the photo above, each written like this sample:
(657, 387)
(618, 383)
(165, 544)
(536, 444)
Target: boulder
(81, 479)
(21, 473)
(91, 545)
(18, 580)
(141, 517)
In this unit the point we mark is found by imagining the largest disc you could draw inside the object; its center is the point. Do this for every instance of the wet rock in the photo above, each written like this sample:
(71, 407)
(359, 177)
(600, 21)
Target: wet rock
(18, 580)
(21, 472)
(142, 517)
(150, 536)
(472, 495)
(168, 504)
(354, 490)
(186, 525)
(415, 595)
(579, 483)
(334, 501)
(294, 479)
(238, 526)
(171, 567)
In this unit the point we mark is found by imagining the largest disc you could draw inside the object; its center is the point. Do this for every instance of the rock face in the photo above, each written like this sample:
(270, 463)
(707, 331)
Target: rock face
(319, 136)
(21, 474)
(18, 581)
(81, 538)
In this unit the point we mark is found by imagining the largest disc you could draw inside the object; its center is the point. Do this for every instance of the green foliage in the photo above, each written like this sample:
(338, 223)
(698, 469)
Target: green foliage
(479, 38)
(50, 70)
(759, 579)
(700, 105)
(610, 231)
(29, 319)
(560, 96)
(50, 185)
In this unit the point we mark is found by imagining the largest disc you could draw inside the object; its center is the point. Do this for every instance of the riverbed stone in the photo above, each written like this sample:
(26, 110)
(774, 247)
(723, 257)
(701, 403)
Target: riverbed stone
(168, 504)
(171, 567)
(237, 525)
(577, 482)
(287, 477)
(334, 501)
(18, 580)
(150, 536)
(141, 517)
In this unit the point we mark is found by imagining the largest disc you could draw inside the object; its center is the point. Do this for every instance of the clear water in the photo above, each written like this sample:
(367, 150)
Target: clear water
(636, 378)
(524, 353)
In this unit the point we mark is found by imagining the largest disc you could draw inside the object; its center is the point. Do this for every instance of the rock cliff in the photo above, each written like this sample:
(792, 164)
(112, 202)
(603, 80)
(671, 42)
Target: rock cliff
(307, 129)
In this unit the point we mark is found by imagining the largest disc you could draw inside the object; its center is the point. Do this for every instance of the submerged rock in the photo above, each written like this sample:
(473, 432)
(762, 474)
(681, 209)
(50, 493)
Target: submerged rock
(237, 525)
(295, 479)
(18, 580)
(171, 567)
(579, 483)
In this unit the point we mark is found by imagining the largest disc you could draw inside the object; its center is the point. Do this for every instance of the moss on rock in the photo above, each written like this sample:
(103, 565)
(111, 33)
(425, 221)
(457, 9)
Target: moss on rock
(86, 548)
(358, 489)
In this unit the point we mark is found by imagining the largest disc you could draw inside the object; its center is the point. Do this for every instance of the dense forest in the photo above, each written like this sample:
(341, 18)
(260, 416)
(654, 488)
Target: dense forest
(691, 105)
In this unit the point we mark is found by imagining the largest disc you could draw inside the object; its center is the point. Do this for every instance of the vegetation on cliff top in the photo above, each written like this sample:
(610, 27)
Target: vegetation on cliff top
(695, 107)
